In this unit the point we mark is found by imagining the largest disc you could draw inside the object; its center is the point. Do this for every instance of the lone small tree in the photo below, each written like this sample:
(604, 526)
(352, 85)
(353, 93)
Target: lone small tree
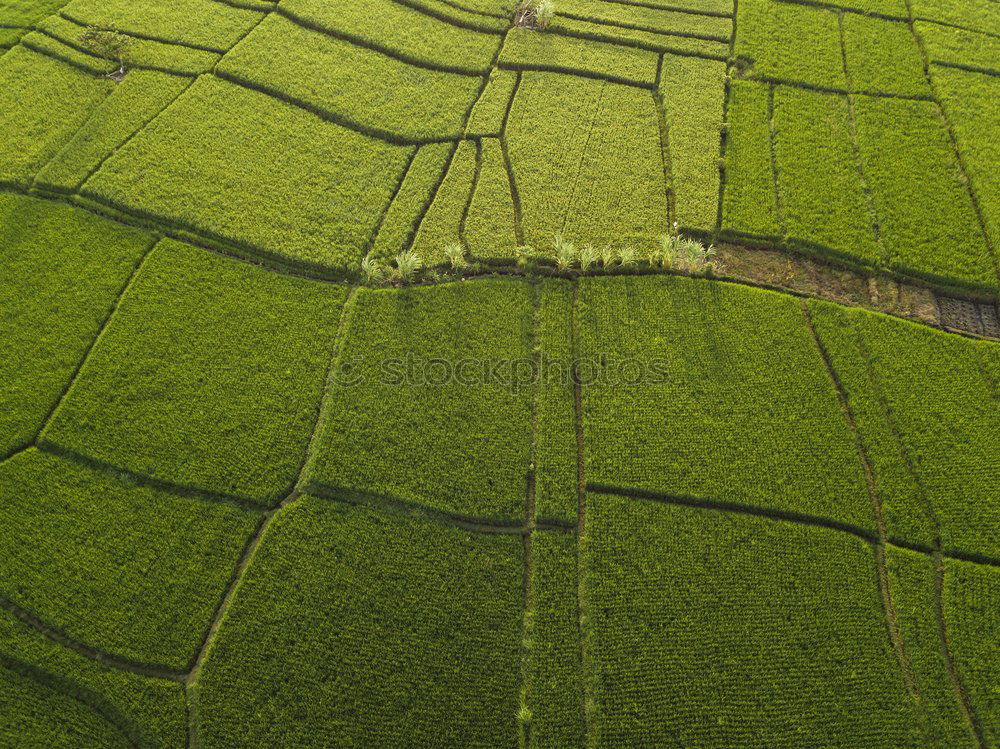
(535, 14)
(110, 44)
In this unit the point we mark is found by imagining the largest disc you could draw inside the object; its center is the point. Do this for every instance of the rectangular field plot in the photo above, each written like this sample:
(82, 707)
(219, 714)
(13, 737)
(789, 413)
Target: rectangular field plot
(397, 632)
(441, 223)
(749, 201)
(706, 628)
(528, 50)
(208, 375)
(555, 423)
(693, 92)
(488, 114)
(652, 40)
(136, 100)
(644, 18)
(587, 162)
(970, 102)
(790, 42)
(148, 711)
(126, 569)
(213, 25)
(911, 585)
(42, 103)
(727, 399)
(927, 220)
(972, 617)
(405, 32)
(63, 271)
(976, 15)
(968, 49)
(819, 183)
(403, 216)
(883, 57)
(366, 88)
(489, 224)
(297, 187)
(424, 406)
(929, 414)
(553, 690)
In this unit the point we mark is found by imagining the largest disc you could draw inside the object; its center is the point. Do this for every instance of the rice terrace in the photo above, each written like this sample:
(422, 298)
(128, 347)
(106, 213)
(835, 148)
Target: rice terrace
(500, 373)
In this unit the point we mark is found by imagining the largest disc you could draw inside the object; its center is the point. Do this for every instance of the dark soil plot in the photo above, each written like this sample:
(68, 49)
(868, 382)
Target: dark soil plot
(125, 569)
(63, 271)
(209, 375)
(372, 628)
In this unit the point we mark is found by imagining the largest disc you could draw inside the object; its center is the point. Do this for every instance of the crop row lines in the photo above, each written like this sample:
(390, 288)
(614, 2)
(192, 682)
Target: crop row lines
(104, 710)
(888, 608)
(671, 8)
(66, 16)
(958, 688)
(76, 64)
(273, 263)
(611, 38)
(839, 9)
(149, 670)
(430, 12)
(645, 28)
(788, 516)
(973, 195)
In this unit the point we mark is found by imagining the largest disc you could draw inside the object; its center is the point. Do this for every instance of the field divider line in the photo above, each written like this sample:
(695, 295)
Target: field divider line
(530, 520)
(358, 41)
(417, 510)
(665, 156)
(668, 8)
(958, 688)
(85, 696)
(773, 141)
(268, 261)
(515, 195)
(856, 146)
(820, 5)
(142, 480)
(28, 44)
(254, 542)
(578, 72)
(724, 129)
(646, 29)
(893, 628)
(61, 13)
(476, 172)
(113, 309)
(473, 11)
(953, 137)
(335, 118)
(936, 22)
(587, 668)
(370, 243)
(583, 156)
(789, 83)
(608, 37)
(961, 694)
(967, 68)
(56, 635)
(451, 20)
(128, 139)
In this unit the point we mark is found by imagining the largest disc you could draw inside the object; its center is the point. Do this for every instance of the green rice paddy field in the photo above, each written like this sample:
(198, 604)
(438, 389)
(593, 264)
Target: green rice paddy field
(251, 497)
